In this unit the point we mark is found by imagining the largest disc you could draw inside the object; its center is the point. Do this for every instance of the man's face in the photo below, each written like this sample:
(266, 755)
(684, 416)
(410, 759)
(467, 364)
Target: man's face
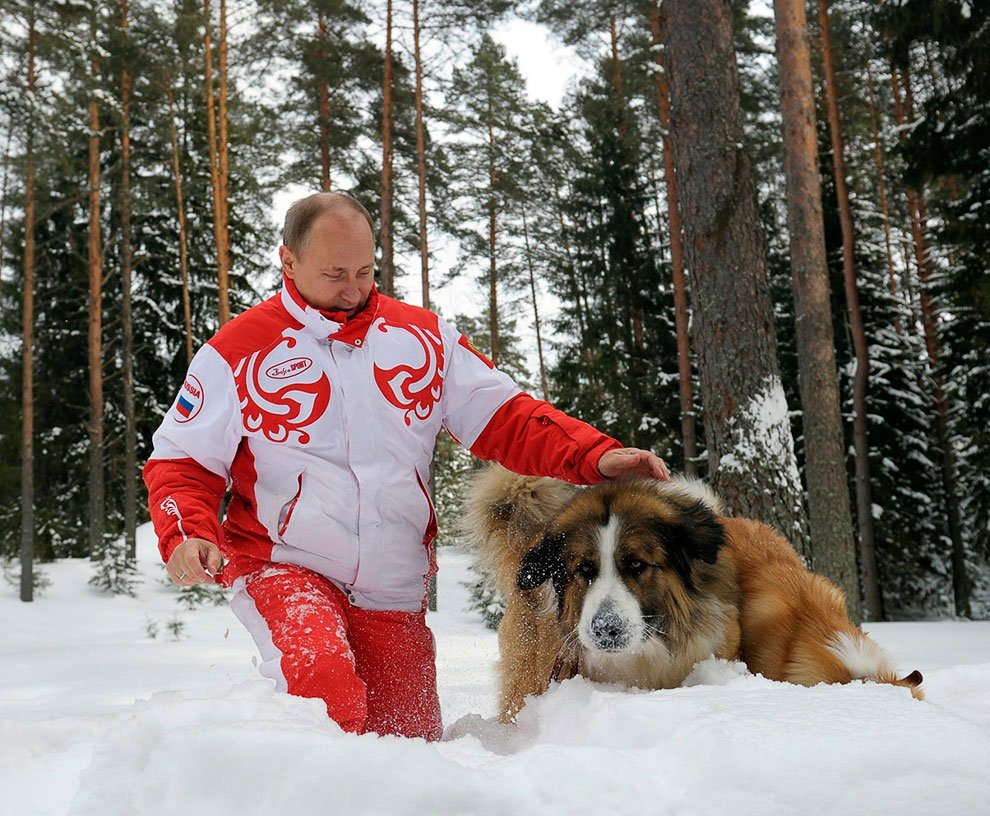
(335, 269)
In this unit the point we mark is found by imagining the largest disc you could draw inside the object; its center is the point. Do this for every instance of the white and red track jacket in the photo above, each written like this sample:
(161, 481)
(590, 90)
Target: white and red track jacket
(324, 428)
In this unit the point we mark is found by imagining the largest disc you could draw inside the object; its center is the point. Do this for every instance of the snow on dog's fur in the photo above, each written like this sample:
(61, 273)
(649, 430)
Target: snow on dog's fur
(636, 581)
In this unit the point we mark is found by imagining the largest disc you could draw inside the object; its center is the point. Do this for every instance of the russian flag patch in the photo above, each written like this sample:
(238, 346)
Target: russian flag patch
(190, 400)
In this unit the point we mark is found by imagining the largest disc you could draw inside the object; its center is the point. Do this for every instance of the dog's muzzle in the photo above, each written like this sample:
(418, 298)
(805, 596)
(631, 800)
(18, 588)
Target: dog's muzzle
(608, 630)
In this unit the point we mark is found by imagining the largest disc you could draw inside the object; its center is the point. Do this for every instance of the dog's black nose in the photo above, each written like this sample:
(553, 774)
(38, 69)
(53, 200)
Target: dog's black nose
(608, 631)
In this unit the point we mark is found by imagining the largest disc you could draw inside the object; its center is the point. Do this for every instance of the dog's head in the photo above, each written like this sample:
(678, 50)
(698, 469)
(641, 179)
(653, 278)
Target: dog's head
(629, 563)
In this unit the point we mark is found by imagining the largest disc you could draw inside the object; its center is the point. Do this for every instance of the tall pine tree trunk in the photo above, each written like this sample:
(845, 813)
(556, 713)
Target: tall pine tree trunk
(536, 308)
(223, 151)
(127, 323)
(388, 260)
(324, 98)
(96, 506)
(832, 538)
(750, 447)
(689, 434)
(861, 376)
(27, 348)
(424, 251)
(219, 231)
(961, 585)
(183, 236)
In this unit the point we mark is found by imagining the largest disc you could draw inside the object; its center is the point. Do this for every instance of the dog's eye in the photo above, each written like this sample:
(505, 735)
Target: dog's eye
(634, 566)
(585, 570)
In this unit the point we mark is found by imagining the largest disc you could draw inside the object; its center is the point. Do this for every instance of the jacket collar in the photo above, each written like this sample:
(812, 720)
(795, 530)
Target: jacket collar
(331, 325)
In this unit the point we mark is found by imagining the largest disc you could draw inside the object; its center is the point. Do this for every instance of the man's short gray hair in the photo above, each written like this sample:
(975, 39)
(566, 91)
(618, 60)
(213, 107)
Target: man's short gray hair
(301, 215)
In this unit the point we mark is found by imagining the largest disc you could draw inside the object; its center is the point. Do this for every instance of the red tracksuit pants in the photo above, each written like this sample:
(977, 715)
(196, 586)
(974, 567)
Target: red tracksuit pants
(375, 670)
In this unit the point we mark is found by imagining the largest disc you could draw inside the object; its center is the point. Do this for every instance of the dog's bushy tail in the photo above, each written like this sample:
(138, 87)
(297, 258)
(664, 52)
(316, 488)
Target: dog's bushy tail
(503, 512)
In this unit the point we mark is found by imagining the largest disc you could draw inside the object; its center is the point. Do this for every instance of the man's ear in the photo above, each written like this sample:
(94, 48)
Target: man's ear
(542, 563)
(287, 258)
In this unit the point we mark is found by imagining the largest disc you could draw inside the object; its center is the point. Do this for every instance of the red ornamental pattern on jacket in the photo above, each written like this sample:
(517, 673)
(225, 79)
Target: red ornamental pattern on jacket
(281, 392)
(413, 388)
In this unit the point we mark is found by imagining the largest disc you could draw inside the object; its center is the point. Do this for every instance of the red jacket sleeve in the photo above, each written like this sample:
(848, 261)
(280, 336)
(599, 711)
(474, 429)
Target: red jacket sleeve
(531, 437)
(184, 499)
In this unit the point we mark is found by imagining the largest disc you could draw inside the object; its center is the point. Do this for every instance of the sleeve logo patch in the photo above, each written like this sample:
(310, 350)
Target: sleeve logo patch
(190, 400)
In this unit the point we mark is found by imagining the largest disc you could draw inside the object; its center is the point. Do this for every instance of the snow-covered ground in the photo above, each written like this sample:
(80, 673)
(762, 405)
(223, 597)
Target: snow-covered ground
(99, 717)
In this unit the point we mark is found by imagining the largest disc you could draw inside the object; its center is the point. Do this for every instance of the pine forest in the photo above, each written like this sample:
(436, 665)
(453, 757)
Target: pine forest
(752, 237)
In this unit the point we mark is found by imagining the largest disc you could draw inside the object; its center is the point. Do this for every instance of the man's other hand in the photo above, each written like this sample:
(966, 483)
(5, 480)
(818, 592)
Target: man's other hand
(194, 561)
(632, 463)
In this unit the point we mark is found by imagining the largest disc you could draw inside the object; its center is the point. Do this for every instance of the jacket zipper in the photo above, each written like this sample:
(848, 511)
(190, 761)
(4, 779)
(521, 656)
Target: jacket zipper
(292, 506)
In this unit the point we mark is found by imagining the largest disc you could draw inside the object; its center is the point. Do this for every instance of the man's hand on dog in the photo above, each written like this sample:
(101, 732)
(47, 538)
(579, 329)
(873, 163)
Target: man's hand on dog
(631, 463)
(194, 561)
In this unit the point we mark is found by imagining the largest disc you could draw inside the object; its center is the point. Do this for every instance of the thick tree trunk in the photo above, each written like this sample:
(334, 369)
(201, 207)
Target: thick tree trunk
(861, 376)
(388, 260)
(183, 237)
(324, 95)
(832, 537)
(27, 385)
(127, 322)
(424, 251)
(961, 585)
(750, 447)
(96, 506)
(689, 434)
(536, 308)
(215, 186)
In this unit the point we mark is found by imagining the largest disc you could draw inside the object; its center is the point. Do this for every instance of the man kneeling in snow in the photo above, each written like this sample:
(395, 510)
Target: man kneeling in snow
(320, 408)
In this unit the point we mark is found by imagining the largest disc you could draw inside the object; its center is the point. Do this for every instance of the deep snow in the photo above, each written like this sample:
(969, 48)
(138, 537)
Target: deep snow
(97, 717)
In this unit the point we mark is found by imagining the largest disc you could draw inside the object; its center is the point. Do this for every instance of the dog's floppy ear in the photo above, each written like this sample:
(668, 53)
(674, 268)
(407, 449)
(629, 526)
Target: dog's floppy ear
(543, 562)
(701, 532)
(696, 536)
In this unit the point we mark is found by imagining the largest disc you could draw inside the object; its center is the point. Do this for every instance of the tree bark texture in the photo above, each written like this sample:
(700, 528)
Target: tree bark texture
(388, 261)
(832, 537)
(95, 308)
(861, 376)
(750, 447)
(689, 434)
(27, 346)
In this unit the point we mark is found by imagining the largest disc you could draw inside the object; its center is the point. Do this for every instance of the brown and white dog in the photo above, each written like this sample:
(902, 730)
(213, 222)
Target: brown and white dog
(634, 582)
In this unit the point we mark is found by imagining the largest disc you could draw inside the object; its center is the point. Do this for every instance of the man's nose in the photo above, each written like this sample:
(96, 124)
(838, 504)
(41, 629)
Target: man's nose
(351, 291)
